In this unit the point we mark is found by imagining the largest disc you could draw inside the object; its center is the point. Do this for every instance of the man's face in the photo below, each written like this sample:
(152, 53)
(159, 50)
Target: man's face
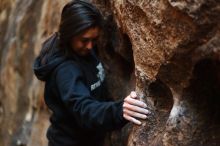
(84, 42)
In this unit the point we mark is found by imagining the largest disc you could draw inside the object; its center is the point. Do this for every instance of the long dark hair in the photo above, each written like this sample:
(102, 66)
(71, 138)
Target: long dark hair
(76, 17)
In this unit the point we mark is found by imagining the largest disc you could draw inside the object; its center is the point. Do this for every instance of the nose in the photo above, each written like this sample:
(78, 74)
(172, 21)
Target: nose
(89, 45)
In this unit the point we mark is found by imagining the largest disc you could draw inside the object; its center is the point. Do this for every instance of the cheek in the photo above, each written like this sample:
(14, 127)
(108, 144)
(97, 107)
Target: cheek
(81, 44)
(76, 45)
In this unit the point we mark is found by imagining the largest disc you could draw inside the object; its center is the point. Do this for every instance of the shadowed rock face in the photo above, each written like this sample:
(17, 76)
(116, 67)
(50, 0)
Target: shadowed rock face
(166, 50)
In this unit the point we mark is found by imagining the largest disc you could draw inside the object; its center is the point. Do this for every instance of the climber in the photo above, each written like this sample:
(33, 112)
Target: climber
(74, 79)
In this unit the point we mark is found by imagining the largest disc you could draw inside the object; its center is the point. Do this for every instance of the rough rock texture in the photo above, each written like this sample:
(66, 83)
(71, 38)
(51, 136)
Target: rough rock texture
(176, 52)
(24, 24)
(166, 50)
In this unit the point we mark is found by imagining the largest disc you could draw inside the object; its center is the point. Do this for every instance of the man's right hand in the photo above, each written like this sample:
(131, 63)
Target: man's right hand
(134, 109)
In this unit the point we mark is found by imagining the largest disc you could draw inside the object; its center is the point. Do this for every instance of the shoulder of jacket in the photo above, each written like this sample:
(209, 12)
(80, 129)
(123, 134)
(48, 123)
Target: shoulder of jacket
(68, 65)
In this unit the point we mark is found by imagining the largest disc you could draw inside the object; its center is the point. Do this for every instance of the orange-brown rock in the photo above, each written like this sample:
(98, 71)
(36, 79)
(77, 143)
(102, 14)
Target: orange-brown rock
(166, 50)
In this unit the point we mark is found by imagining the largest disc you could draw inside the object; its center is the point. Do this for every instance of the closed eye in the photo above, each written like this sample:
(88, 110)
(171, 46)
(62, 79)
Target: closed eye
(87, 40)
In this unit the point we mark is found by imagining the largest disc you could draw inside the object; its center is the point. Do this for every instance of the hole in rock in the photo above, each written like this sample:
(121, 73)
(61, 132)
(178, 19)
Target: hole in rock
(203, 95)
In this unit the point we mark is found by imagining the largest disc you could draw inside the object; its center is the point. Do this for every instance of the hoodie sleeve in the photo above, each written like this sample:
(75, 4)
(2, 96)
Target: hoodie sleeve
(88, 112)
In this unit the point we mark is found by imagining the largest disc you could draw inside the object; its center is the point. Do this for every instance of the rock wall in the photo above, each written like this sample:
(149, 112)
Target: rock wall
(166, 50)
(24, 24)
(176, 57)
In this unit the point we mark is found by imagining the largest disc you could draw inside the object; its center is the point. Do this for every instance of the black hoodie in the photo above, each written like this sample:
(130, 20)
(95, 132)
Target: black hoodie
(74, 92)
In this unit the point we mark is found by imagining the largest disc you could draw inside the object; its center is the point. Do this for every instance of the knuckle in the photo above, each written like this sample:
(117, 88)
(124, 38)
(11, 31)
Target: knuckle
(127, 105)
(125, 111)
(124, 105)
(126, 99)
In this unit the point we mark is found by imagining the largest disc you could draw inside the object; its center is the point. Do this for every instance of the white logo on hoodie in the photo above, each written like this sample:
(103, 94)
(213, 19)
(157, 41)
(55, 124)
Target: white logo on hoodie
(100, 75)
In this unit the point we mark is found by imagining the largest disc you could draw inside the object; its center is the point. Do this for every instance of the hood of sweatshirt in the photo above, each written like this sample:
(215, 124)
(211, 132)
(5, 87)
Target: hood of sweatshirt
(45, 63)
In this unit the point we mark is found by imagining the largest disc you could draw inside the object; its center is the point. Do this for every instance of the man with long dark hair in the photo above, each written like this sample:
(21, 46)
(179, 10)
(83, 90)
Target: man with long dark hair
(74, 82)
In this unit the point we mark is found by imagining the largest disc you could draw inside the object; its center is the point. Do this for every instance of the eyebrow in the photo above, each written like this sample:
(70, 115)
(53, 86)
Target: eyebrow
(90, 38)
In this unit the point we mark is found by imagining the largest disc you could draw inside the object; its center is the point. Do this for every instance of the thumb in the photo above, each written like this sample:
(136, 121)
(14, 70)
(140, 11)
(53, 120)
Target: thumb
(133, 94)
